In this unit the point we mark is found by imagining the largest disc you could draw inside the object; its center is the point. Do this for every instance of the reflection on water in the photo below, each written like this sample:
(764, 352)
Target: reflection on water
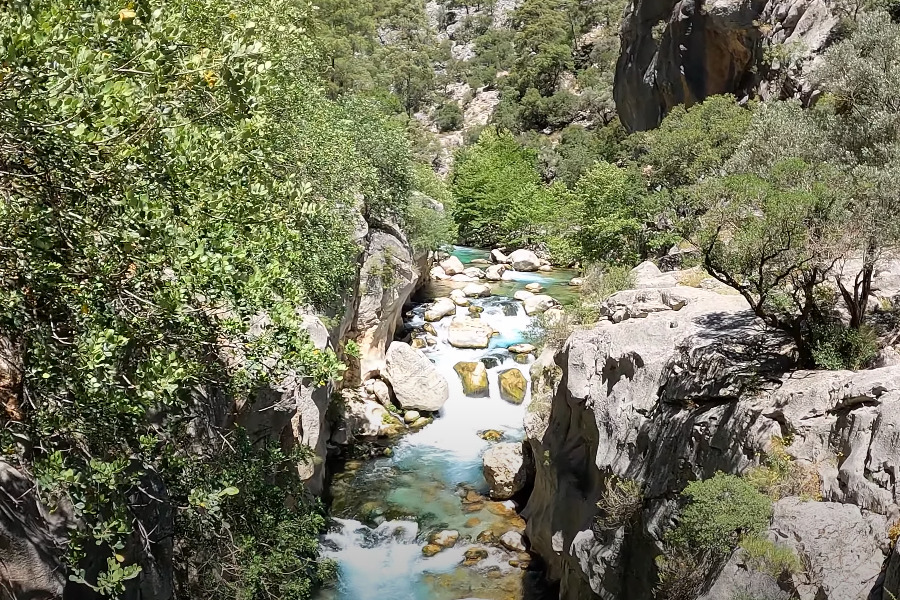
(387, 509)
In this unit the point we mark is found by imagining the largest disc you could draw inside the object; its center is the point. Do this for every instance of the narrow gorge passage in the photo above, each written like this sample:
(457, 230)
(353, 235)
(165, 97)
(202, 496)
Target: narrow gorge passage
(387, 510)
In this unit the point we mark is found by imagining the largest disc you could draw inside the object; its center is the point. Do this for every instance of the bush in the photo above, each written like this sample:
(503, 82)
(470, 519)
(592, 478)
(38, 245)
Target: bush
(768, 557)
(681, 573)
(601, 283)
(836, 347)
(622, 500)
(780, 476)
(449, 117)
(720, 511)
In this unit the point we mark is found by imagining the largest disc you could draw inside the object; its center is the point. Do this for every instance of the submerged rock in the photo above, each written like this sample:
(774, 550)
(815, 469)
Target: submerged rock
(507, 469)
(466, 332)
(474, 556)
(534, 287)
(490, 435)
(513, 386)
(416, 383)
(474, 378)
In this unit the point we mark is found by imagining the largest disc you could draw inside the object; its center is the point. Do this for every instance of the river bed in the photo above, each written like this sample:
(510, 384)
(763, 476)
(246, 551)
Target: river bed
(386, 509)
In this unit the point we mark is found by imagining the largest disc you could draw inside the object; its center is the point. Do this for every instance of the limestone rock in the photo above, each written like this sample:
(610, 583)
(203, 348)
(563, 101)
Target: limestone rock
(463, 278)
(507, 469)
(465, 332)
(648, 275)
(498, 257)
(452, 266)
(459, 298)
(512, 541)
(477, 290)
(438, 273)
(474, 272)
(576, 281)
(534, 288)
(446, 538)
(366, 418)
(411, 416)
(495, 272)
(523, 295)
(416, 383)
(538, 304)
(638, 304)
(382, 392)
(524, 260)
(440, 308)
(474, 378)
(430, 550)
(513, 386)
(521, 348)
(545, 268)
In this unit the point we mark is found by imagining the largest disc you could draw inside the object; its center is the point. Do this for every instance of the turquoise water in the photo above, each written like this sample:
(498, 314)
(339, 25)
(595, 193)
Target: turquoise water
(386, 509)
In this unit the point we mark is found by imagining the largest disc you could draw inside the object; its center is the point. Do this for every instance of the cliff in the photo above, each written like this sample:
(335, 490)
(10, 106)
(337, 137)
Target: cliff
(686, 383)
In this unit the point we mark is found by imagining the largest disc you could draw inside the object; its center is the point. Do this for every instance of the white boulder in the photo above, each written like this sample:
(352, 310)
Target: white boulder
(440, 308)
(495, 272)
(416, 383)
(524, 260)
(465, 332)
(477, 290)
(538, 304)
(452, 266)
(523, 295)
(506, 469)
(498, 257)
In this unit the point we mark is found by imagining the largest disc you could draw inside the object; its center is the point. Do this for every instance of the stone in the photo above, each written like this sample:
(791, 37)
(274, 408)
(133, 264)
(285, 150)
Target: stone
(513, 386)
(534, 288)
(475, 311)
(446, 538)
(474, 378)
(545, 268)
(440, 308)
(486, 537)
(411, 416)
(366, 418)
(418, 343)
(473, 522)
(495, 272)
(438, 273)
(474, 555)
(416, 383)
(521, 348)
(638, 304)
(513, 541)
(523, 295)
(507, 469)
(465, 332)
(459, 298)
(452, 266)
(382, 392)
(524, 260)
(498, 257)
(474, 272)
(430, 550)
(477, 290)
(463, 278)
(420, 422)
(490, 435)
(576, 281)
(480, 261)
(429, 329)
(648, 275)
(539, 304)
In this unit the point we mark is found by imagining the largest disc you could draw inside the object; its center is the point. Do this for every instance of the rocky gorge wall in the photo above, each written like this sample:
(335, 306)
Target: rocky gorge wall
(677, 384)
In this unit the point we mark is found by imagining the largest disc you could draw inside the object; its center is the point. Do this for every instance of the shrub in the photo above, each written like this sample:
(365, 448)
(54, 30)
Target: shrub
(768, 557)
(449, 117)
(780, 476)
(600, 283)
(681, 573)
(720, 511)
(837, 347)
(622, 499)
(545, 332)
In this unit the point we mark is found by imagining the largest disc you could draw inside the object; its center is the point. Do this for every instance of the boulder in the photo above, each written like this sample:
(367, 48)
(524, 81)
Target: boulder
(521, 348)
(522, 295)
(416, 383)
(534, 288)
(524, 260)
(446, 538)
(452, 266)
(459, 298)
(418, 343)
(466, 332)
(430, 550)
(513, 386)
(638, 304)
(498, 257)
(538, 304)
(474, 378)
(545, 268)
(440, 308)
(576, 281)
(477, 290)
(382, 392)
(495, 272)
(364, 418)
(507, 469)
(411, 416)
(463, 278)
(438, 273)
(474, 272)
(513, 541)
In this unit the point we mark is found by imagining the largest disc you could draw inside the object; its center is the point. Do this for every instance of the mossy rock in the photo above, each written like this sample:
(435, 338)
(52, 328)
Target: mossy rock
(513, 386)
(474, 378)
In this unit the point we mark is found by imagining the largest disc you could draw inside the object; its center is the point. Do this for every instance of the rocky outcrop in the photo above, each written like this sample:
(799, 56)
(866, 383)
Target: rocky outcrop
(507, 469)
(680, 52)
(416, 383)
(690, 388)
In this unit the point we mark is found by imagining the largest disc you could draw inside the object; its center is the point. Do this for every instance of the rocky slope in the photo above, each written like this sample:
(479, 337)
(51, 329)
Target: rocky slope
(679, 52)
(677, 384)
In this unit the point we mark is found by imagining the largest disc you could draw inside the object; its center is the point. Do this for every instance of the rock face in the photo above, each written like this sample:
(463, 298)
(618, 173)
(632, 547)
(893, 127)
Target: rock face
(524, 260)
(682, 52)
(416, 383)
(465, 332)
(474, 378)
(690, 388)
(507, 469)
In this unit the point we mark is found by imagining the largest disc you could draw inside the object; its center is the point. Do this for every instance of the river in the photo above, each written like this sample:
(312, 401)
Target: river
(386, 509)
